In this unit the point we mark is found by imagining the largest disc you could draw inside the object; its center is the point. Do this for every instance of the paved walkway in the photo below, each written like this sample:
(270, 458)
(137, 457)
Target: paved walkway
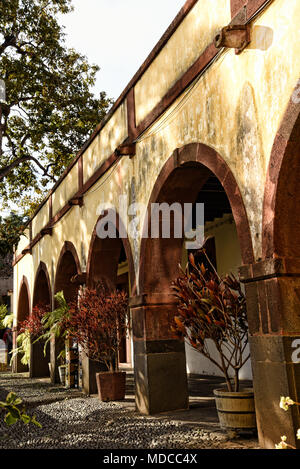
(71, 420)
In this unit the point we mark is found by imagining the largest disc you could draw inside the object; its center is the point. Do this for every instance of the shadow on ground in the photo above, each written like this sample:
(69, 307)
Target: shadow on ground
(71, 420)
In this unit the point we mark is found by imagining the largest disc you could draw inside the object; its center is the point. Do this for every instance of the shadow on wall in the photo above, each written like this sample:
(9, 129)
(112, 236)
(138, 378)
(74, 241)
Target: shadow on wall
(261, 38)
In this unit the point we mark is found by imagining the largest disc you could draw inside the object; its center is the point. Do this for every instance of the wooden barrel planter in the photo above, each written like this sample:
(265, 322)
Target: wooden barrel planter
(111, 385)
(236, 410)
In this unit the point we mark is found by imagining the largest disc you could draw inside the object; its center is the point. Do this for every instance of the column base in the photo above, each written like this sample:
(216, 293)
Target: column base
(39, 363)
(160, 376)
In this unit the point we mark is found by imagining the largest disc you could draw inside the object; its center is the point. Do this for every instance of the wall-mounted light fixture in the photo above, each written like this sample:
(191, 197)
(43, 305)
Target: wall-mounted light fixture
(235, 36)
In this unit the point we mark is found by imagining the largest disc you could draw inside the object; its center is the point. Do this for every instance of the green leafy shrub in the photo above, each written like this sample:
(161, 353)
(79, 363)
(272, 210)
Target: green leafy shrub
(15, 411)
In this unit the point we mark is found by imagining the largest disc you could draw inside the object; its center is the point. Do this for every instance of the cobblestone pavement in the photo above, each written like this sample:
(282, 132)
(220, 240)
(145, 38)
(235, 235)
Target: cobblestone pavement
(71, 420)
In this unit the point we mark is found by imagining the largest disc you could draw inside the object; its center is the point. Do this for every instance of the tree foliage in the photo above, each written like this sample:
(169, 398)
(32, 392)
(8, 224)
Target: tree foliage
(50, 108)
(11, 228)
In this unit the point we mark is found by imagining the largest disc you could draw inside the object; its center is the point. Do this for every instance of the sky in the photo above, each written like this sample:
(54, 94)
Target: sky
(117, 35)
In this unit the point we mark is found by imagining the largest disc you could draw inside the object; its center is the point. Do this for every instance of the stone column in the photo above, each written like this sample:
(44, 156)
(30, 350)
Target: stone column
(159, 358)
(56, 346)
(39, 363)
(273, 306)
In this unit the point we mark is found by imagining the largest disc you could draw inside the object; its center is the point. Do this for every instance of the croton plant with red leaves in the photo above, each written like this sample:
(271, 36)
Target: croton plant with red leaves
(212, 308)
(33, 324)
(98, 322)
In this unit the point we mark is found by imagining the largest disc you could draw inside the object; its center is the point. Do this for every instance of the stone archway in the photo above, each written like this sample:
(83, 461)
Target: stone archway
(160, 366)
(68, 272)
(273, 286)
(68, 266)
(24, 308)
(104, 254)
(42, 296)
(107, 256)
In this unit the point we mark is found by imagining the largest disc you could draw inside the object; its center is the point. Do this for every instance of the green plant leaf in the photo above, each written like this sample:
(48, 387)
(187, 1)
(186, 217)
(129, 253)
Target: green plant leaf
(9, 419)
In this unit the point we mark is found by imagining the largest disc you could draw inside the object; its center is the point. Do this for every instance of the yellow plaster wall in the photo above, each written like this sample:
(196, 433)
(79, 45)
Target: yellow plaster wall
(22, 268)
(41, 220)
(67, 188)
(197, 30)
(228, 254)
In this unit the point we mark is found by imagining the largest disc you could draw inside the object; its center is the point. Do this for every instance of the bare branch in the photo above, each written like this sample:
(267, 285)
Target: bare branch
(23, 159)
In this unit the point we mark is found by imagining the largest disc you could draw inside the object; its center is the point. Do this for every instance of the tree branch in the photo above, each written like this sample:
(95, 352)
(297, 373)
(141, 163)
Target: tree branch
(9, 41)
(23, 159)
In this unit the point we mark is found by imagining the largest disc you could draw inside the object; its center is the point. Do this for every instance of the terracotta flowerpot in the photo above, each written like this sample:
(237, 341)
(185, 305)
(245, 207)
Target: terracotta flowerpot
(111, 385)
(236, 410)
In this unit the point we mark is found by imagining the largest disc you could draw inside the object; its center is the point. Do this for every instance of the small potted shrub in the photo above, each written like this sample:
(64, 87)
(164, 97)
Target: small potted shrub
(30, 331)
(55, 324)
(212, 310)
(62, 367)
(98, 323)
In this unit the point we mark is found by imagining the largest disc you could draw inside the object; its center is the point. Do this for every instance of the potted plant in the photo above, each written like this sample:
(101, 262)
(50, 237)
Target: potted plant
(98, 323)
(212, 310)
(30, 332)
(55, 324)
(62, 367)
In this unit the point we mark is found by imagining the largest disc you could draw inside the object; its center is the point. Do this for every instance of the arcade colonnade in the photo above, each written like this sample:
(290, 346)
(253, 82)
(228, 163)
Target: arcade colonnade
(196, 123)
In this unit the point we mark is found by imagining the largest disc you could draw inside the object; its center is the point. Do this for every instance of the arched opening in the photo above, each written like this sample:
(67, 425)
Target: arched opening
(110, 263)
(195, 173)
(41, 298)
(281, 223)
(274, 284)
(23, 314)
(67, 272)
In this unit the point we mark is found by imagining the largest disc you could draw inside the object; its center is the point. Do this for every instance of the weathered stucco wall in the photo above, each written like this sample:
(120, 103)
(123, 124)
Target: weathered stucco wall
(67, 188)
(235, 107)
(41, 220)
(193, 35)
(112, 135)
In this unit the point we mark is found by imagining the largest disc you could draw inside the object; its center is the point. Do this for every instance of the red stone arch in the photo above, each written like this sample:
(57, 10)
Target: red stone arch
(281, 225)
(42, 291)
(42, 296)
(273, 285)
(67, 271)
(24, 301)
(104, 255)
(161, 379)
(180, 180)
(102, 265)
(68, 266)
(23, 312)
